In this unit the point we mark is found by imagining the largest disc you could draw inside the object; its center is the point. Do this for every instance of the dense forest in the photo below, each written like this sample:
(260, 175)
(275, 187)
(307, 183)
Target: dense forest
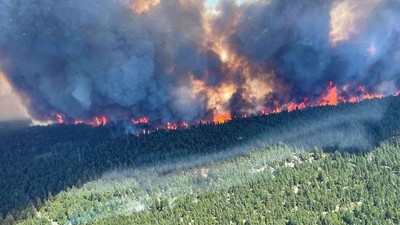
(310, 166)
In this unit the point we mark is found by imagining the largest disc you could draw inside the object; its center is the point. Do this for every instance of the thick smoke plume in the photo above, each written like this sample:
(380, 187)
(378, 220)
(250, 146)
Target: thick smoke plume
(179, 60)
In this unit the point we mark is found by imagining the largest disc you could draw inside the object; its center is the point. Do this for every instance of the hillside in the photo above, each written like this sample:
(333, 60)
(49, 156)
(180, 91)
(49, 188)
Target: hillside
(276, 186)
(79, 174)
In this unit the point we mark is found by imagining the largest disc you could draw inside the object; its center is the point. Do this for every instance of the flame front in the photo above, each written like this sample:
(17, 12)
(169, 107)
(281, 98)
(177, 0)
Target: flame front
(170, 64)
(221, 118)
(256, 80)
(331, 98)
(143, 120)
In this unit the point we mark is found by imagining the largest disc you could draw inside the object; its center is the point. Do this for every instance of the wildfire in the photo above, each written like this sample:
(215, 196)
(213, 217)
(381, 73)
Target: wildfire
(176, 125)
(77, 121)
(218, 96)
(99, 121)
(142, 120)
(293, 106)
(60, 119)
(171, 126)
(222, 118)
(255, 80)
(365, 95)
(226, 78)
(331, 98)
(268, 112)
(96, 121)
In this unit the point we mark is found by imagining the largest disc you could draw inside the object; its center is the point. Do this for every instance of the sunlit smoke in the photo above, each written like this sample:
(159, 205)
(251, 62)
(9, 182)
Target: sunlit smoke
(347, 17)
(168, 64)
(143, 6)
(10, 103)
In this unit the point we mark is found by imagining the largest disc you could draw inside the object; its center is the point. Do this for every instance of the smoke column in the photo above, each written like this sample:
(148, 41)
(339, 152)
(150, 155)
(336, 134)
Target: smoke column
(180, 60)
(10, 105)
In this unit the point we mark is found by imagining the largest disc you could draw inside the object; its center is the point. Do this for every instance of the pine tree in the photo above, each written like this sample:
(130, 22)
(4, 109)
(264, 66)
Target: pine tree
(9, 220)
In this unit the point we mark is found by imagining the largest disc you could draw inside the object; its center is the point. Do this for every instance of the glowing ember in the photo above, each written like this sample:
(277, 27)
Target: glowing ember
(268, 112)
(76, 122)
(171, 126)
(353, 99)
(99, 121)
(331, 98)
(142, 120)
(178, 61)
(222, 118)
(60, 119)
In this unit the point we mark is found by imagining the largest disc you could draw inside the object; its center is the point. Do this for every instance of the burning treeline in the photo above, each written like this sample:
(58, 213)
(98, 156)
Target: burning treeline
(183, 61)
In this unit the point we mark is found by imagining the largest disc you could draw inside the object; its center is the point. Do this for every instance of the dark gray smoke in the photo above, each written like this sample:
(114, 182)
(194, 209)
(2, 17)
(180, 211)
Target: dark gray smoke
(82, 58)
(97, 57)
(294, 38)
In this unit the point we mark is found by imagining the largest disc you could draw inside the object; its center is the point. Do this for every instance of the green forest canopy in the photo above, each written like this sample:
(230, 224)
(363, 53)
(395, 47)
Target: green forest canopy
(40, 165)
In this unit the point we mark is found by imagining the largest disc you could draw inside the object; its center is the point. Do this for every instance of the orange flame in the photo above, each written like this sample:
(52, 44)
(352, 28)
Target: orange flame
(331, 98)
(293, 106)
(171, 126)
(257, 80)
(60, 119)
(142, 120)
(77, 121)
(222, 118)
(102, 121)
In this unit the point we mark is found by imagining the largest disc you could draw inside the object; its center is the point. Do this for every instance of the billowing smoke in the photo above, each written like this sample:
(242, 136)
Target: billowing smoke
(312, 42)
(177, 60)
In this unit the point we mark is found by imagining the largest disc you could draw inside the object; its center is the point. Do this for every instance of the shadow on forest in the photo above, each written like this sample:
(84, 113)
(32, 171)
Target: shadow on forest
(40, 161)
